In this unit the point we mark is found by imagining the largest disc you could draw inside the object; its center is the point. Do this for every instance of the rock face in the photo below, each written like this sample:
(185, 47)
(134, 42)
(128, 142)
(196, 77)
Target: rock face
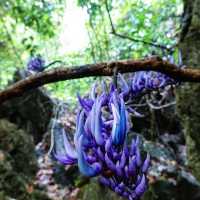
(189, 95)
(167, 178)
(31, 112)
(18, 164)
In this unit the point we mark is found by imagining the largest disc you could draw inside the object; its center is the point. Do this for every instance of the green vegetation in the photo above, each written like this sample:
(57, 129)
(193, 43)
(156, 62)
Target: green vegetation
(29, 28)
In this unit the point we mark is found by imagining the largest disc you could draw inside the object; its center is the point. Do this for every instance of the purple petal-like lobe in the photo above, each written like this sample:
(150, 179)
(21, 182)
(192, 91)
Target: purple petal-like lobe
(84, 167)
(118, 169)
(138, 157)
(64, 159)
(109, 162)
(132, 166)
(104, 181)
(108, 144)
(123, 160)
(98, 129)
(100, 154)
(69, 149)
(146, 164)
(141, 187)
(116, 125)
(93, 92)
(79, 128)
(86, 104)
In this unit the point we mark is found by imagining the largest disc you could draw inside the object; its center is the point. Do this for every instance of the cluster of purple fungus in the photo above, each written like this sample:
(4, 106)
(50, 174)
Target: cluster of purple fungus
(101, 146)
(149, 80)
(36, 64)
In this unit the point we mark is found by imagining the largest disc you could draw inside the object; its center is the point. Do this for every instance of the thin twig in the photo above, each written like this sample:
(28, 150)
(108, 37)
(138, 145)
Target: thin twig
(162, 106)
(53, 63)
(114, 32)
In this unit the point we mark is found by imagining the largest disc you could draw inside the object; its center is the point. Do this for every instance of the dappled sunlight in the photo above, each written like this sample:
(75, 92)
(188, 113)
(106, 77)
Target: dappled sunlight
(73, 35)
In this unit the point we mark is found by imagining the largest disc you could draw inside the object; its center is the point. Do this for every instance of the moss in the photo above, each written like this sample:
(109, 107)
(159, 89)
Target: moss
(189, 110)
(162, 189)
(19, 146)
(95, 191)
(188, 96)
(18, 164)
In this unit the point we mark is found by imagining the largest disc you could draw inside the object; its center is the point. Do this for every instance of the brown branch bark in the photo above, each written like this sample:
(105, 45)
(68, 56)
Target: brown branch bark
(99, 69)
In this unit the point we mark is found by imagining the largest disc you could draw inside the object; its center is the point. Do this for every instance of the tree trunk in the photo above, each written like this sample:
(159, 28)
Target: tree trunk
(188, 96)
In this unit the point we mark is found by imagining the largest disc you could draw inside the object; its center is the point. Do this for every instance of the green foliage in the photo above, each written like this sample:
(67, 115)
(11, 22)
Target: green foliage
(30, 27)
(67, 90)
(23, 24)
(150, 21)
(37, 15)
(18, 164)
(155, 21)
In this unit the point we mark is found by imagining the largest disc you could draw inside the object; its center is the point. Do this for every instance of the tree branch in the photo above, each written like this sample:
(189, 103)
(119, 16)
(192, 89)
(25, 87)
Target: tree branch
(114, 32)
(99, 69)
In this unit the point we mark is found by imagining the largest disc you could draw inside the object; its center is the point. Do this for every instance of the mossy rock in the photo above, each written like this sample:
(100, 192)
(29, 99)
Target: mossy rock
(18, 164)
(189, 109)
(95, 191)
(32, 111)
(19, 147)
